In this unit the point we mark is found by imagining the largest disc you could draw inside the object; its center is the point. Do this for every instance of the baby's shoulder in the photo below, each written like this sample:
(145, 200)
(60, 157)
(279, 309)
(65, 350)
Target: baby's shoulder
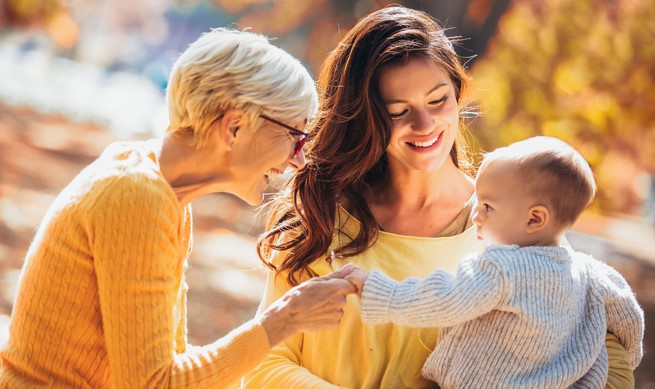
(601, 274)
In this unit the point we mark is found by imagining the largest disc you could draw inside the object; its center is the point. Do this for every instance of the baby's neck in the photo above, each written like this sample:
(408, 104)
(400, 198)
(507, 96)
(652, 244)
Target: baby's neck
(547, 240)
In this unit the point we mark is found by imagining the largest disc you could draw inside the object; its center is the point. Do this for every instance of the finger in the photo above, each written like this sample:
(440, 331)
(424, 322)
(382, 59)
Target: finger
(353, 278)
(355, 281)
(341, 273)
(343, 286)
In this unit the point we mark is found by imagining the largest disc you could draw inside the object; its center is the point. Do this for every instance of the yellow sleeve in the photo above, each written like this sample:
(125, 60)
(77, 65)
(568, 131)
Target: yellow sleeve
(135, 234)
(620, 375)
(282, 368)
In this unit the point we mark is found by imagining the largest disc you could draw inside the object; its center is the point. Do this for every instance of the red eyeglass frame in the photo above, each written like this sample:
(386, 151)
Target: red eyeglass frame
(302, 136)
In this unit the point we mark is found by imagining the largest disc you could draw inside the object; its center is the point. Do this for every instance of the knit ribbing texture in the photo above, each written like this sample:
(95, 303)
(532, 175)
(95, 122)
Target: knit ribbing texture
(102, 296)
(532, 317)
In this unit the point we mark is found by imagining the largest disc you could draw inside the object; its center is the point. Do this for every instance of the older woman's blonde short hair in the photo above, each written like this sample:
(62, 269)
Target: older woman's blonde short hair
(229, 69)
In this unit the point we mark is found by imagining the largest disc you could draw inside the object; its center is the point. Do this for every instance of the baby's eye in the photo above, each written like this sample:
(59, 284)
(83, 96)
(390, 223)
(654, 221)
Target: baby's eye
(487, 207)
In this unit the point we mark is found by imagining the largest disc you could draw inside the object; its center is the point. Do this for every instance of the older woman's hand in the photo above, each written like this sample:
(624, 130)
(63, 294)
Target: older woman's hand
(315, 305)
(358, 278)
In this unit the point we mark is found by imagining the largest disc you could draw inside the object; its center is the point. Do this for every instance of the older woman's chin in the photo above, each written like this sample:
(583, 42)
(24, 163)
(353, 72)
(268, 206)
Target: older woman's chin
(254, 196)
(255, 201)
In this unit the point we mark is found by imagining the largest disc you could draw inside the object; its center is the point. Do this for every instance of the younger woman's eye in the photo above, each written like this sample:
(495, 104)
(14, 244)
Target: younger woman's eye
(439, 101)
(398, 115)
(487, 207)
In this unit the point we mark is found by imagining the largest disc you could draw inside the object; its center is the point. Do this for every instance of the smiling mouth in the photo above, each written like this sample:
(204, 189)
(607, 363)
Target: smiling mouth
(271, 174)
(425, 144)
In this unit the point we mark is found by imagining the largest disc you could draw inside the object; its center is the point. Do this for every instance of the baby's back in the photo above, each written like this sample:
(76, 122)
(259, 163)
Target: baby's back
(548, 332)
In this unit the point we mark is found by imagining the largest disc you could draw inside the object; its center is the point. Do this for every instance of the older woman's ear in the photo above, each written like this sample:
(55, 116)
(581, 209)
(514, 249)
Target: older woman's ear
(229, 125)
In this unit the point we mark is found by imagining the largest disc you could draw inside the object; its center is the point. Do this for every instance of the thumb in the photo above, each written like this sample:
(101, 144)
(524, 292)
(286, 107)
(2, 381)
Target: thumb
(341, 273)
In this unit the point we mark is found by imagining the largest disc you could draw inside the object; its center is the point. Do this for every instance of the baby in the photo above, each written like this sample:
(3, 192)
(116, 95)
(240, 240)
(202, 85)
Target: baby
(528, 312)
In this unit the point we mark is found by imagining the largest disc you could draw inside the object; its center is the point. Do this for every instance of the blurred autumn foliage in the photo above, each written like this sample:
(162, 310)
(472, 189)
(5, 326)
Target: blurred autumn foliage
(322, 23)
(309, 29)
(77, 74)
(579, 70)
(50, 15)
(582, 71)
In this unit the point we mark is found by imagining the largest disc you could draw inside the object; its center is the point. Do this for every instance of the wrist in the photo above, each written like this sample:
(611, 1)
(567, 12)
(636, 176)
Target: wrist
(277, 324)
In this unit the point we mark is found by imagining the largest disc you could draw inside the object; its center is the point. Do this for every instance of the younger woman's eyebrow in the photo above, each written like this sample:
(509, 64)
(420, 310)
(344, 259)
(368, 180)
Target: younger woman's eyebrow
(396, 101)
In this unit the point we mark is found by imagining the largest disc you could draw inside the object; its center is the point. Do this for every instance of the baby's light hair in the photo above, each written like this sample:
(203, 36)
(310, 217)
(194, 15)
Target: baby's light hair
(553, 171)
(229, 69)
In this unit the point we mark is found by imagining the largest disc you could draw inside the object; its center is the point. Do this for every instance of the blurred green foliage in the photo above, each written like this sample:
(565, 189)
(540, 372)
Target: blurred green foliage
(582, 71)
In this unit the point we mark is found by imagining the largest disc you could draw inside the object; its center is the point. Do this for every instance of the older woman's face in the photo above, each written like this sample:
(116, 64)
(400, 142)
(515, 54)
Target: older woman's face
(421, 102)
(264, 154)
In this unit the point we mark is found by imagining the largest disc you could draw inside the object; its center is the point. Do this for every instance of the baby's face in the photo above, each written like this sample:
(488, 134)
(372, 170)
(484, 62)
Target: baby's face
(503, 205)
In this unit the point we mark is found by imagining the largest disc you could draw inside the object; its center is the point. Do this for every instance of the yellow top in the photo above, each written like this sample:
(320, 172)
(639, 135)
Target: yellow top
(101, 300)
(382, 356)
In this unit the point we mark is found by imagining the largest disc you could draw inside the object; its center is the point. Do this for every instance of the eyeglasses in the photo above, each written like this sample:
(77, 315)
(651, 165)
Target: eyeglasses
(302, 136)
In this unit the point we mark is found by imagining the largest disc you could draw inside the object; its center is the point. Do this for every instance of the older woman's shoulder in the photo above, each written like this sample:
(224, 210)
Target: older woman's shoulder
(126, 173)
(129, 158)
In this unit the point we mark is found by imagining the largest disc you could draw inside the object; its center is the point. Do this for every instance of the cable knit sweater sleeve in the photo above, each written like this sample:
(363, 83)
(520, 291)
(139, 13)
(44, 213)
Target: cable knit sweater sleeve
(134, 228)
(439, 300)
(625, 318)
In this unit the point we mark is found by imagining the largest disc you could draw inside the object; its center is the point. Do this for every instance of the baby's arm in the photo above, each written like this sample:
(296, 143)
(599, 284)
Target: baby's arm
(625, 318)
(439, 300)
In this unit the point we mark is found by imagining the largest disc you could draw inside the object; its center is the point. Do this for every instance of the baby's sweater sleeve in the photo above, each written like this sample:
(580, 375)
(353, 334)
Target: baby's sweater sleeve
(439, 300)
(625, 318)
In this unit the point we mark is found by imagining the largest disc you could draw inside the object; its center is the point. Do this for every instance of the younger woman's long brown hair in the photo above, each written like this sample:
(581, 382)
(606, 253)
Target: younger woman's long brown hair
(346, 155)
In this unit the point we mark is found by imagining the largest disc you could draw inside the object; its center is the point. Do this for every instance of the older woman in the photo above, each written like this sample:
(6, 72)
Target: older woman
(101, 301)
(386, 186)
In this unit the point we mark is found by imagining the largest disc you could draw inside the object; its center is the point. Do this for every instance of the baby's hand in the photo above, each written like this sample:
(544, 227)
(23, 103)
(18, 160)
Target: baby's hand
(358, 278)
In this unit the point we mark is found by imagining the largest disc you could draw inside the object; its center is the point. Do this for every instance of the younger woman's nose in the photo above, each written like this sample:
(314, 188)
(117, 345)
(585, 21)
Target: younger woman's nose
(422, 120)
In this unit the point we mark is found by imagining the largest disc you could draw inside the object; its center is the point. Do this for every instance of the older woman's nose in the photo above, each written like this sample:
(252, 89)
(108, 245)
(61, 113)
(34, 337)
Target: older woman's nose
(298, 162)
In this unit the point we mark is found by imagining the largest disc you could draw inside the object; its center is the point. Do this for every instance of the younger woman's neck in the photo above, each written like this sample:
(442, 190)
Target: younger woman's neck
(421, 204)
(417, 190)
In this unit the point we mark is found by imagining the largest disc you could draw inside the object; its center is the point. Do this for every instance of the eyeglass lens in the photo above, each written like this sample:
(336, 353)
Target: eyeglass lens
(302, 137)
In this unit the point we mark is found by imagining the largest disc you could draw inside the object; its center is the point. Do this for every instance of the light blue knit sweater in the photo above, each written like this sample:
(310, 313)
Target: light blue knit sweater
(532, 317)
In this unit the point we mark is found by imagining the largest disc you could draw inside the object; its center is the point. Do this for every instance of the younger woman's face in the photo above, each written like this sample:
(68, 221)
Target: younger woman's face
(420, 99)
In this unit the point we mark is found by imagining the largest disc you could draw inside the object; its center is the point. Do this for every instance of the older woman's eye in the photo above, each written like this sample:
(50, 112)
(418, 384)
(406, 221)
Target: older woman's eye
(398, 115)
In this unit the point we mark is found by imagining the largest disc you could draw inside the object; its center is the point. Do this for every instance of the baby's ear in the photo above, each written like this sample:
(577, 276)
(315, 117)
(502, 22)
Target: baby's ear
(538, 217)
